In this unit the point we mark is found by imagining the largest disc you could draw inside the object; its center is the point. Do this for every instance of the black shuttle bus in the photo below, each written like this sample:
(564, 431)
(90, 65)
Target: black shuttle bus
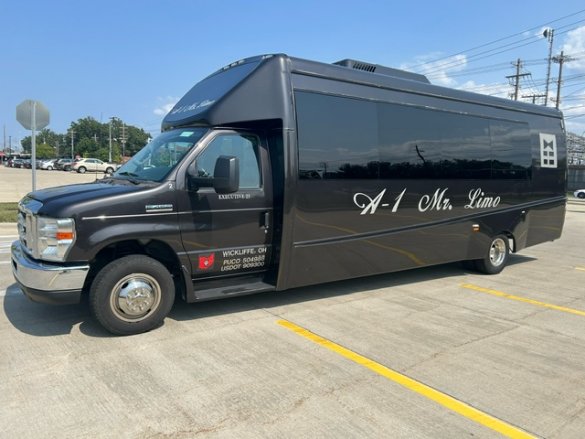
(276, 172)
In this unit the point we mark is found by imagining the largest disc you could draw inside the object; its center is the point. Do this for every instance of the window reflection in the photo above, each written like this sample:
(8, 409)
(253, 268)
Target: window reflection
(351, 138)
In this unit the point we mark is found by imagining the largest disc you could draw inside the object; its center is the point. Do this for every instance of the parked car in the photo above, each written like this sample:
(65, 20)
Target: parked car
(93, 165)
(580, 193)
(26, 163)
(49, 165)
(17, 163)
(62, 163)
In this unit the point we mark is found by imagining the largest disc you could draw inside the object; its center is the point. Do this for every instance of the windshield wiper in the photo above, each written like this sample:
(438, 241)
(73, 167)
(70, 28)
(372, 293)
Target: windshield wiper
(128, 174)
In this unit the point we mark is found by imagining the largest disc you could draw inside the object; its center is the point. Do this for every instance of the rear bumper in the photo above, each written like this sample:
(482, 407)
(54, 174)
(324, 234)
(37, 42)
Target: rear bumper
(45, 282)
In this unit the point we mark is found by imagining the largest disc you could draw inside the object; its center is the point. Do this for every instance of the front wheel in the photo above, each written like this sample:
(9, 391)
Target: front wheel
(110, 171)
(496, 258)
(132, 295)
(81, 170)
(581, 195)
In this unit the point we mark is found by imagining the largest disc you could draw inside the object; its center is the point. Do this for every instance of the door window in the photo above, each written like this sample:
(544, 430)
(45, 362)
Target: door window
(242, 146)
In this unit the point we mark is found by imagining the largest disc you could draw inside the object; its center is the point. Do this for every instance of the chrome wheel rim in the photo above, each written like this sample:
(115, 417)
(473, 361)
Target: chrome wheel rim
(135, 297)
(498, 252)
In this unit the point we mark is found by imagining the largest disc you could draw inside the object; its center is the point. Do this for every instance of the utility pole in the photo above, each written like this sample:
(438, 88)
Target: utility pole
(123, 140)
(517, 77)
(533, 97)
(561, 59)
(72, 132)
(110, 154)
(549, 35)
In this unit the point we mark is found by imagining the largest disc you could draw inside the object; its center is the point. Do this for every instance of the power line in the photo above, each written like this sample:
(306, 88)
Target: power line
(503, 38)
(496, 50)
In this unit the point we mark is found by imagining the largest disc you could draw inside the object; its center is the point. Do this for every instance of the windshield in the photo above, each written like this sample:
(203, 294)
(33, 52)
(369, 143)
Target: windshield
(156, 160)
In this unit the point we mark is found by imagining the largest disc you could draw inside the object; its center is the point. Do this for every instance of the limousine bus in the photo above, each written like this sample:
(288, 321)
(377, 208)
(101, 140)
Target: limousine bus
(276, 172)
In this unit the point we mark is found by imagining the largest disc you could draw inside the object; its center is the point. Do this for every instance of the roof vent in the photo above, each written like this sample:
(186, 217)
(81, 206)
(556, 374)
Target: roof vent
(381, 70)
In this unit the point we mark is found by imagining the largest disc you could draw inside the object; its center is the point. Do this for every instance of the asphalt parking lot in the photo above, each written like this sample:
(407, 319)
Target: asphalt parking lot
(440, 352)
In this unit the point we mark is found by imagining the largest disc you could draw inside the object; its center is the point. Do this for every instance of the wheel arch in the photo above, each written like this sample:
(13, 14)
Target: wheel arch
(153, 248)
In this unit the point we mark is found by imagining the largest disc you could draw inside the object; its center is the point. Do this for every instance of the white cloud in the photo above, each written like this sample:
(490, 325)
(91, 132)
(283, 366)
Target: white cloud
(494, 89)
(437, 71)
(165, 105)
(574, 47)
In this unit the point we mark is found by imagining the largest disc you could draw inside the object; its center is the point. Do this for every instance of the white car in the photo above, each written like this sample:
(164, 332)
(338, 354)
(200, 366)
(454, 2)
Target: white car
(580, 193)
(93, 165)
(48, 164)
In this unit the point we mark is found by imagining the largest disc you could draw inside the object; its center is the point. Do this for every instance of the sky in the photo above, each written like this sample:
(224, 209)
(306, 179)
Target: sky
(135, 59)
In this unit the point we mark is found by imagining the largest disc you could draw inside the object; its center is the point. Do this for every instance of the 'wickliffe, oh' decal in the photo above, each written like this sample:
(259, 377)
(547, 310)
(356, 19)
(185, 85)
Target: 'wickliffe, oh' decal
(435, 202)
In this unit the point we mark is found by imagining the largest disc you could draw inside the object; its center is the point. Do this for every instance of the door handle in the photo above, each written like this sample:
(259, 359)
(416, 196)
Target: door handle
(266, 221)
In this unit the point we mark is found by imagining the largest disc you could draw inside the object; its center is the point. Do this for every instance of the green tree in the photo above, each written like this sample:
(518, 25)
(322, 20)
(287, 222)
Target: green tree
(86, 147)
(92, 139)
(45, 136)
(45, 151)
(137, 138)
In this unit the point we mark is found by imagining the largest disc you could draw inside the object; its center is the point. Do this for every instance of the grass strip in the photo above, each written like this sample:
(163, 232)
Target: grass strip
(8, 212)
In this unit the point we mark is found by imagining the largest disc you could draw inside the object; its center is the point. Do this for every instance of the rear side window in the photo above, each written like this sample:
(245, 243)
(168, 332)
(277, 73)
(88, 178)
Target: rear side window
(244, 147)
(341, 138)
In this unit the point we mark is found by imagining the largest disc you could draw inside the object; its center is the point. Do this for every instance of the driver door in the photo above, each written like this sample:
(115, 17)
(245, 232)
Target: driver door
(229, 234)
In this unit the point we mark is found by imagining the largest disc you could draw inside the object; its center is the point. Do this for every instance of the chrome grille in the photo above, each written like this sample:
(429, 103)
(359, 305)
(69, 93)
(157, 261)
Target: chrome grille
(27, 209)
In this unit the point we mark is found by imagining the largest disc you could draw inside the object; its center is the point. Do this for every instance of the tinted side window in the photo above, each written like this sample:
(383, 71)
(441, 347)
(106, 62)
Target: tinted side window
(350, 138)
(244, 147)
(420, 143)
(409, 142)
(338, 137)
(511, 150)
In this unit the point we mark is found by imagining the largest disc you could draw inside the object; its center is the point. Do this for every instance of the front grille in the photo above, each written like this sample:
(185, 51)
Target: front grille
(27, 209)
(25, 230)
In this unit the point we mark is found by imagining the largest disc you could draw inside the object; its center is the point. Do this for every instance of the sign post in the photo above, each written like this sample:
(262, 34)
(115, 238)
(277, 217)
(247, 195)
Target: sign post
(32, 115)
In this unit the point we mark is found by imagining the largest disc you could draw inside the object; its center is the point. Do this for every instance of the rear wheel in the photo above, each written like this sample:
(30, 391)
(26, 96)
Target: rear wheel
(581, 195)
(132, 295)
(81, 170)
(496, 258)
(109, 171)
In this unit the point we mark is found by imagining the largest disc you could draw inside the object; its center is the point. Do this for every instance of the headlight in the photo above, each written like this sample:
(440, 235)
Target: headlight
(54, 238)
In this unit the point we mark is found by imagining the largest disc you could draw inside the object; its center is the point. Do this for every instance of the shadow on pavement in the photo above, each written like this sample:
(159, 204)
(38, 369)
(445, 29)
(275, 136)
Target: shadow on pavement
(44, 320)
(49, 320)
(185, 311)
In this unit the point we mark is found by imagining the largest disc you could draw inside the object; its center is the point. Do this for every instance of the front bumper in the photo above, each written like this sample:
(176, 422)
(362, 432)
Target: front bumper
(45, 282)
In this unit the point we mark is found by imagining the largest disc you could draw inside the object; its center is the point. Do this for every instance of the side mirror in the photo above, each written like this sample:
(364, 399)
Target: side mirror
(226, 175)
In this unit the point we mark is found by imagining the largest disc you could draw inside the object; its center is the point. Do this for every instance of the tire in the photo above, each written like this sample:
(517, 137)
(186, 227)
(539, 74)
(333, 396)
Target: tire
(496, 257)
(109, 171)
(50, 168)
(81, 169)
(581, 195)
(132, 295)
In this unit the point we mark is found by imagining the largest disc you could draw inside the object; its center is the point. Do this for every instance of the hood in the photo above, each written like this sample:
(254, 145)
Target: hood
(80, 191)
(79, 199)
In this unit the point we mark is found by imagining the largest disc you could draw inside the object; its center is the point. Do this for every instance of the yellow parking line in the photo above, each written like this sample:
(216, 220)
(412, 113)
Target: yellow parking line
(580, 268)
(411, 384)
(523, 299)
